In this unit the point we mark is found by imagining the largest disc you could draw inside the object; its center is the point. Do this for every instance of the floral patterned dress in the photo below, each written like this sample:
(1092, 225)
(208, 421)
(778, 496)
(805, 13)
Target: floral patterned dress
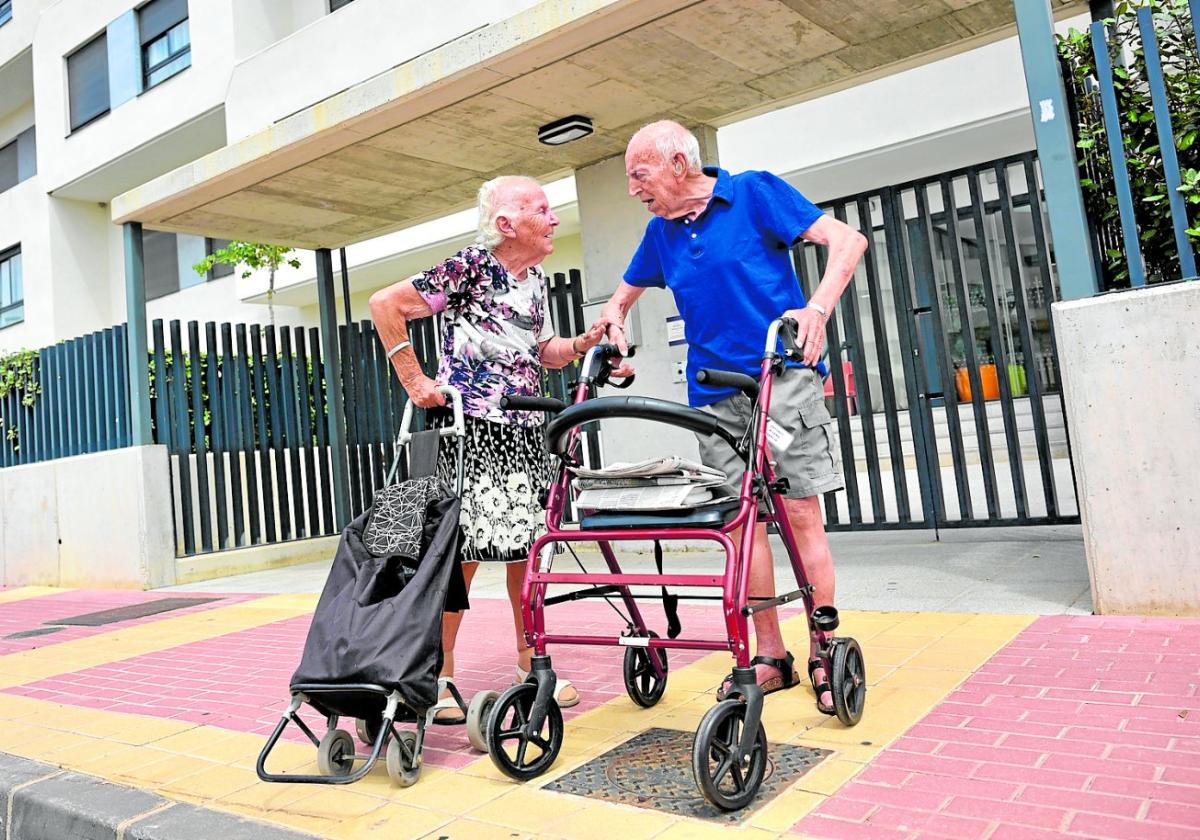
(493, 325)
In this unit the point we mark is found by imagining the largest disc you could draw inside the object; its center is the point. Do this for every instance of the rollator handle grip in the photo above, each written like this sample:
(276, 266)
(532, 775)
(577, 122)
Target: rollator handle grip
(518, 402)
(748, 385)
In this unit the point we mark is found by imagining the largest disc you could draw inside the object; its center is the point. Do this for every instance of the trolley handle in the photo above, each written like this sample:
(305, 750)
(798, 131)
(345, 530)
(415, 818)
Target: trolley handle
(517, 402)
(728, 379)
(457, 429)
(783, 328)
(596, 368)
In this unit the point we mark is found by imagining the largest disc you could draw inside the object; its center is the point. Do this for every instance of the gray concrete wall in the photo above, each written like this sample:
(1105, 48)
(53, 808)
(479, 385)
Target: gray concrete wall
(1131, 378)
(92, 520)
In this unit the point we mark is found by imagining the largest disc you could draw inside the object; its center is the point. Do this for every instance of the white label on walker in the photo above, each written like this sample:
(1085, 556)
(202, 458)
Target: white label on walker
(634, 641)
(779, 437)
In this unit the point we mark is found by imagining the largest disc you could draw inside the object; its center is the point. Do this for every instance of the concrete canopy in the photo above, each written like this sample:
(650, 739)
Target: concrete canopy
(415, 142)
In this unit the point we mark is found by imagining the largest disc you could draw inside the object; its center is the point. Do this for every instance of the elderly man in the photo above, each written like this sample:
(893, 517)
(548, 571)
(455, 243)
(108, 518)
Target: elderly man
(497, 338)
(721, 243)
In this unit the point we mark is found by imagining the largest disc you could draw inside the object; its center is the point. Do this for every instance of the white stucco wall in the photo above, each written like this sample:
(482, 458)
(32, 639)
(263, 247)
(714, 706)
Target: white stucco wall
(1131, 380)
(23, 212)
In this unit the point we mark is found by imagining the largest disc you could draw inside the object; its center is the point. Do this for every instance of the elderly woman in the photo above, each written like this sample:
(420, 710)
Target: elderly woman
(497, 339)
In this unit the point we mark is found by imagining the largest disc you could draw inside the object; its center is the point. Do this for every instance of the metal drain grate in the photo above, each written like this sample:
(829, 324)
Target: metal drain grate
(162, 605)
(654, 770)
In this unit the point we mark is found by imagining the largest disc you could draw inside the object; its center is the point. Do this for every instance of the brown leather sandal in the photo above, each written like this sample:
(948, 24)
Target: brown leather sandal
(786, 678)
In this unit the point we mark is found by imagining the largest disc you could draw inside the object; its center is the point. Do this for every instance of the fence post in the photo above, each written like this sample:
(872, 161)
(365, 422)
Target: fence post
(1056, 149)
(136, 348)
(335, 410)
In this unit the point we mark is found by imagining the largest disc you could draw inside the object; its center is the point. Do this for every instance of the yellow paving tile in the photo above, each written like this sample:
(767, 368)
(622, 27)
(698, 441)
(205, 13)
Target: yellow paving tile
(528, 809)
(785, 810)
(601, 821)
(262, 797)
(334, 802)
(828, 776)
(689, 829)
(300, 822)
(392, 821)
(158, 774)
(474, 830)
(23, 593)
(213, 782)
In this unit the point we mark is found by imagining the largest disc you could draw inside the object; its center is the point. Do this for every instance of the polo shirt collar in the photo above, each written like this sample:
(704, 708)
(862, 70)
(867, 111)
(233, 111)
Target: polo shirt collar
(723, 189)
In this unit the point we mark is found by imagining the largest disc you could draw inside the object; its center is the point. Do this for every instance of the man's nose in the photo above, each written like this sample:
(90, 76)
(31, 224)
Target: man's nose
(633, 188)
(553, 219)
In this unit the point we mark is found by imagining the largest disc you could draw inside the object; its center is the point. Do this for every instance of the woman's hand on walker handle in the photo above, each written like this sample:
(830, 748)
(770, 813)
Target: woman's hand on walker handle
(593, 336)
(424, 392)
(810, 333)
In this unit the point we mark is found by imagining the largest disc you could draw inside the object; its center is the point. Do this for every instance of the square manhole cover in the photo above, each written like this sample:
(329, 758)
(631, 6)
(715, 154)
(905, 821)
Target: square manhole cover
(654, 770)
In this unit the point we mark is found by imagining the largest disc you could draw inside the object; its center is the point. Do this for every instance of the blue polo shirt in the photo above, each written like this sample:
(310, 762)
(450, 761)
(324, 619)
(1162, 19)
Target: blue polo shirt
(730, 270)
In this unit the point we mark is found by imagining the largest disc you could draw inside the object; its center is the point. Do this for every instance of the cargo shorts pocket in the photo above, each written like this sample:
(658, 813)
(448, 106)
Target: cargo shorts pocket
(814, 450)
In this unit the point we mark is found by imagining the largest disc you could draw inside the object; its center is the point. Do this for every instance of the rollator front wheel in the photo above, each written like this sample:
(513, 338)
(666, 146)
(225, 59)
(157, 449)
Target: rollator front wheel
(726, 779)
(335, 754)
(642, 684)
(517, 752)
(403, 763)
(479, 710)
(848, 680)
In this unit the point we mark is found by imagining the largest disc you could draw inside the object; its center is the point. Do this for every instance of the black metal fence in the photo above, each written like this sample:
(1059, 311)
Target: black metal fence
(944, 377)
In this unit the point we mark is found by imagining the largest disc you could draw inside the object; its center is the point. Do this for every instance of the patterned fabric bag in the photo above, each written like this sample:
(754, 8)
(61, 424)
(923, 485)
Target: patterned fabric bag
(398, 518)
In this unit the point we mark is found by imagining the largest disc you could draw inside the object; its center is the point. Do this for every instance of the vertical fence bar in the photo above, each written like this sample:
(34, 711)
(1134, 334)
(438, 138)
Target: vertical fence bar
(276, 405)
(198, 435)
(232, 433)
(1166, 141)
(216, 434)
(303, 388)
(108, 388)
(333, 385)
(247, 441)
(1009, 419)
(368, 345)
(179, 432)
(862, 380)
(1116, 152)
(321, 425)
(381, 369)
(1031, 374)
(159, 404)
(63, 399)
(264, 432)
(346, 395)
(291, 427)
(983, 436)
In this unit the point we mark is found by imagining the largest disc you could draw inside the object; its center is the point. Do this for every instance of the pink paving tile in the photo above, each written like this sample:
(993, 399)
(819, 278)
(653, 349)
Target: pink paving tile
(240, 680)
(38, 613)
(1053, 758)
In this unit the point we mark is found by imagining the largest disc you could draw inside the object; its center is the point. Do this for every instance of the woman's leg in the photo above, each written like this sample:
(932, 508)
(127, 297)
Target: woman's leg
(516, 576)
(450, 624)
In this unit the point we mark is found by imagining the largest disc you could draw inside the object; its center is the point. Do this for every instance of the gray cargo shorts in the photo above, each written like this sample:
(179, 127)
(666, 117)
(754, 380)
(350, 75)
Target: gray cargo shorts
(798, 405)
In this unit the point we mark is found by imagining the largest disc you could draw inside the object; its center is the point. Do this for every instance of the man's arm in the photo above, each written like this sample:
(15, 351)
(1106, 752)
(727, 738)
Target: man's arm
(614, 313)
(391, 310)
(846, 247)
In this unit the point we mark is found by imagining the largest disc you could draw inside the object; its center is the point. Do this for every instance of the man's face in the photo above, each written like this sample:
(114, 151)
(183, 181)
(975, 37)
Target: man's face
(653, 181)
(534, 222)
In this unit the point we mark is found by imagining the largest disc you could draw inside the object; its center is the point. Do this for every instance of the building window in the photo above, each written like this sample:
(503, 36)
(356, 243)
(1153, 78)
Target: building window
(334, 5)
(5, 11)
(18, 160)
(166, 40)
(160, 252)
(8, 166)
(219, 270)
(12, 294)
(87, 82)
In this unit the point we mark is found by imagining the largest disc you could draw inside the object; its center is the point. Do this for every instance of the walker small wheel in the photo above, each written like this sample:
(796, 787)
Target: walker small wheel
(848, 680)
(368, 730)
(642, 684)
(478, 712)
(727, 781)
(403, 763)
(335, 754)
(510, 741)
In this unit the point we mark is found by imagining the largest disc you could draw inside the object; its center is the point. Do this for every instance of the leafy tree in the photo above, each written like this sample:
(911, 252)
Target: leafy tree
(251, 256)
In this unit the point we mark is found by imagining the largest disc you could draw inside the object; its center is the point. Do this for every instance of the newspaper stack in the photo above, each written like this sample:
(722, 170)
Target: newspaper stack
(653, 484)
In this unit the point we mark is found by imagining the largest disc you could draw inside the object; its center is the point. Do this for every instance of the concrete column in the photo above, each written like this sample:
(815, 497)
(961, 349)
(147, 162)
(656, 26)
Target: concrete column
(611, 226)
(334, 406)
(138, 354)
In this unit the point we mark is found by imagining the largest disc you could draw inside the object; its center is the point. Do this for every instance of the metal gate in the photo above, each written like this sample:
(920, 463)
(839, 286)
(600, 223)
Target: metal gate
(944, 378)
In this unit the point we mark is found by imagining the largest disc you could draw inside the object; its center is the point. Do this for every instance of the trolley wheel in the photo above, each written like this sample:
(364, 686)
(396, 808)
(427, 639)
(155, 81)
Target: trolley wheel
(335, 754)
(401, 769)
(642, 684)
(478, 712)
(725, 782)
(509, 742)
(848, 680)
(368, 730)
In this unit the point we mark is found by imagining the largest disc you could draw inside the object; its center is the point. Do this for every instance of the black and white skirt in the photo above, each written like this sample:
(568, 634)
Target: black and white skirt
(505, 468)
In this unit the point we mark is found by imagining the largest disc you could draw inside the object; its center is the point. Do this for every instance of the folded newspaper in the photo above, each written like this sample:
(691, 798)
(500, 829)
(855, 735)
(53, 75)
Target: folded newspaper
(653, 484)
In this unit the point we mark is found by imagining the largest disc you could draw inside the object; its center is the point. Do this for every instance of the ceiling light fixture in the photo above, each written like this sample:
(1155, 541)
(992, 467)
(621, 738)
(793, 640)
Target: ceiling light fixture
(565, 130)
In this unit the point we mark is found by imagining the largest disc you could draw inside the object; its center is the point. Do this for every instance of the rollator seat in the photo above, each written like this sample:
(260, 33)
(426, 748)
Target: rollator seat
(713, 516)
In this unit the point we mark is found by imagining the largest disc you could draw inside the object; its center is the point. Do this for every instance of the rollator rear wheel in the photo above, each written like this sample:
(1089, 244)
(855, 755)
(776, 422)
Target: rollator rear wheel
(335, 754)
(725, 782)
(403, 770)
(519, 754)
(478, 712)
(368, 730)
(848, 680)
(643, 686)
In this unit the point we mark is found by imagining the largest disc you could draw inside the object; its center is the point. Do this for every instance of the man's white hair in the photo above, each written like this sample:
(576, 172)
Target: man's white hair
(495, 199)
(671, 138)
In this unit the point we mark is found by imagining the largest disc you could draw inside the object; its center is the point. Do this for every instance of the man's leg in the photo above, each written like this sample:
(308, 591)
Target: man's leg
(450, 624)
(808, 530)
(516, 577)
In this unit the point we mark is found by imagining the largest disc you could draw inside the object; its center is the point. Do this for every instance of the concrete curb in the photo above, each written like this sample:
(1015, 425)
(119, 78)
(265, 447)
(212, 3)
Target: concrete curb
(43, 802)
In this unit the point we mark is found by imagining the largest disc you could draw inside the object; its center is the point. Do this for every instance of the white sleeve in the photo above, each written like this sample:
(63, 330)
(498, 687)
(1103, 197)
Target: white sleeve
(547, 332)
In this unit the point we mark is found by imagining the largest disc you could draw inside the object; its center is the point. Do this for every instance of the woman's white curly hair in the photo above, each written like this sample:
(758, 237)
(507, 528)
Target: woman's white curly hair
(495, 199)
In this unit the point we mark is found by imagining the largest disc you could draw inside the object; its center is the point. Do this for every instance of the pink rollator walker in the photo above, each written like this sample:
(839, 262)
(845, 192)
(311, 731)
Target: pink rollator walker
(524, 729)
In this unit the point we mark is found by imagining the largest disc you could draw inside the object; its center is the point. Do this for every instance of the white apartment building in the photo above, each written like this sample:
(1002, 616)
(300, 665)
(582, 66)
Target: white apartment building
(99, 96)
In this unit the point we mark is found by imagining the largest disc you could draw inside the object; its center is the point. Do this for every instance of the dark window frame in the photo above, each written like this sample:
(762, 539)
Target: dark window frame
(158, 35)
(107, 93)
(14, 146)
(5, 256)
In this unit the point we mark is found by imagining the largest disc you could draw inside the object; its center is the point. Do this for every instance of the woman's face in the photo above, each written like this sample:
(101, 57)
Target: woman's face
(534, 223)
